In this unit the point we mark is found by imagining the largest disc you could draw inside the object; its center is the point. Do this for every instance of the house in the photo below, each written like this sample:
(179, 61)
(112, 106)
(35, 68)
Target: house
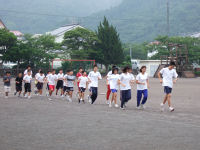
(60, 32)
(2, 25)
(18, 34)
(196, 35)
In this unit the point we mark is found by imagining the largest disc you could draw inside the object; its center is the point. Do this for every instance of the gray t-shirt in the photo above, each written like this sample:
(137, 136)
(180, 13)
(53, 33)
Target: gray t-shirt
(70, 81)
(6, 83)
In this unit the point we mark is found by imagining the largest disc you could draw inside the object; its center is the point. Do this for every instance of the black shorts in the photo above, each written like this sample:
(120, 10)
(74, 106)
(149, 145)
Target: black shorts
(167, 90)
(65, 89)
(18, 88)
(70, 89)
(27, 87)
(82, 90)
(59, 84)
(39, 86)
(47, 86)
(125, 95)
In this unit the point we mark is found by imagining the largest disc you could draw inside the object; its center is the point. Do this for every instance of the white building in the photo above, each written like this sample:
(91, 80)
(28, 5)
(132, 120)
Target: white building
(60, 32)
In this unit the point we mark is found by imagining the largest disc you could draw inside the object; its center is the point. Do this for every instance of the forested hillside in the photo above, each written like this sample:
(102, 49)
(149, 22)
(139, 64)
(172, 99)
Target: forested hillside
(136, 20)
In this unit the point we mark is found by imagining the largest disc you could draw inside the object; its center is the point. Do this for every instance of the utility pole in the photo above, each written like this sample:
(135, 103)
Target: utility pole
(168, 26)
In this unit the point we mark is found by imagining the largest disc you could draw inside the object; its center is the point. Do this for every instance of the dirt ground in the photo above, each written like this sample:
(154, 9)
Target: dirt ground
(39, 124)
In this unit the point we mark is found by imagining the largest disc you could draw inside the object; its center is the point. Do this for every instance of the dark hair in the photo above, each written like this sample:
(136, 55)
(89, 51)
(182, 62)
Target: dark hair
(114, 69)
(53, 70)
(29, 70)
(83, 71)
(8, 72)
(114, 66)
(125, 69)
(67, 71)
(80, 68)
(28, 66)
(48, 72)
(142, 68)
(60, 69)
(95, 66)
(41, 72)
(172, 63)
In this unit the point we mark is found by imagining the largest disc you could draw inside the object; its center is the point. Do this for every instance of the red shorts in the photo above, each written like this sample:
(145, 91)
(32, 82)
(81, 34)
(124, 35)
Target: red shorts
(52, 87)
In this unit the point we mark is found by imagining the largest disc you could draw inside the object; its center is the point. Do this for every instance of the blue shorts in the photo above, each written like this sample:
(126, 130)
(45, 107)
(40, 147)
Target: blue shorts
(113, 90)
(167, 90)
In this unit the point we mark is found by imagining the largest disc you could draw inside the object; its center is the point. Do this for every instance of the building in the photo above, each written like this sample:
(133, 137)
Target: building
(152, 65)
(60, 32)
(196, 35)
(18, 34)
(2, 25)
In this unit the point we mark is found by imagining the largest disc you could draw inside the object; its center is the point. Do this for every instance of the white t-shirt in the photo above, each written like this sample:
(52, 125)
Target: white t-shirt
(65, 80)
(27, 78)
(142, 78)
(83, 81)
(168, 76)
(94, 77)
(114, 78)
(40, 78)
(125, 79)
(52, 79)
(109, 73)
(60, 76)
(37, 74)
(26, 72)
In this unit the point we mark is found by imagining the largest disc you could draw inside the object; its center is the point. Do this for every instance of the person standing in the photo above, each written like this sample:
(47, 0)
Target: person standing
(170, 77)
(127, 79)
(18, 84)
(108, 86)
(28, 69)
(27, 86)
(142, 81)
(6, 80)
(79, 74)
(94, 77)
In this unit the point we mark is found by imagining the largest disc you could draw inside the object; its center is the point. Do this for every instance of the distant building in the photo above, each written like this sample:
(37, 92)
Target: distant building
(2, 25)
(18, 34)
(60, 32)
(196, 35)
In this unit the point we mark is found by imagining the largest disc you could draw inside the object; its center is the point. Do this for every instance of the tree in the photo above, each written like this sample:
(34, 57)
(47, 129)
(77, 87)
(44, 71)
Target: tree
(81, 44)
(192, 44)
(32, 51)
(110, 44)
(7, 41)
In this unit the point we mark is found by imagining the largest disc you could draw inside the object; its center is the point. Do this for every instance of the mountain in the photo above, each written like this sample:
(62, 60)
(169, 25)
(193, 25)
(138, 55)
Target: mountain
(39, 16)
(141, 20)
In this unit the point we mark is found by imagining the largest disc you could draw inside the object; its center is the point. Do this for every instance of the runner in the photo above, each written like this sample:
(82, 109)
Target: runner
(127, 80)
(18, 84)
(114, 81)
(94, 76)
(6, 80)
(83, 83)
(169, 77)
(79, 74)
(108, 86)
(36, 89)
(27, 86)
(26, 71)
(142, 81)
(47, 81)
(65, 91)
(40, 81)
(52, 78)
(70, 85)
(59, 85)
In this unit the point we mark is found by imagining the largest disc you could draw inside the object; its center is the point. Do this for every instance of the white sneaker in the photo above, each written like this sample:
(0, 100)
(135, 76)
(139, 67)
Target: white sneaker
(116, 105)
(138, 108)
(107, 102)
(110, 105)
(62, 96)
(89, 99)
(122, 108)
(162, 107)
(142, 106)
(171, 109)
(49, 99)
(25, 96)
(70, 100)
(29, 97)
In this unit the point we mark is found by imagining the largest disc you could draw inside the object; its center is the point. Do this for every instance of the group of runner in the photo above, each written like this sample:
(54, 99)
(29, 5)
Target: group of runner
(123, 82)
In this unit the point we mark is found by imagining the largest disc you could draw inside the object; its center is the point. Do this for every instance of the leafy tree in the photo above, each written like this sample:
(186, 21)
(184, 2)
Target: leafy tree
(33, 51)
(110, 44)
(7, 41)
(192, 44)
(81, 44)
